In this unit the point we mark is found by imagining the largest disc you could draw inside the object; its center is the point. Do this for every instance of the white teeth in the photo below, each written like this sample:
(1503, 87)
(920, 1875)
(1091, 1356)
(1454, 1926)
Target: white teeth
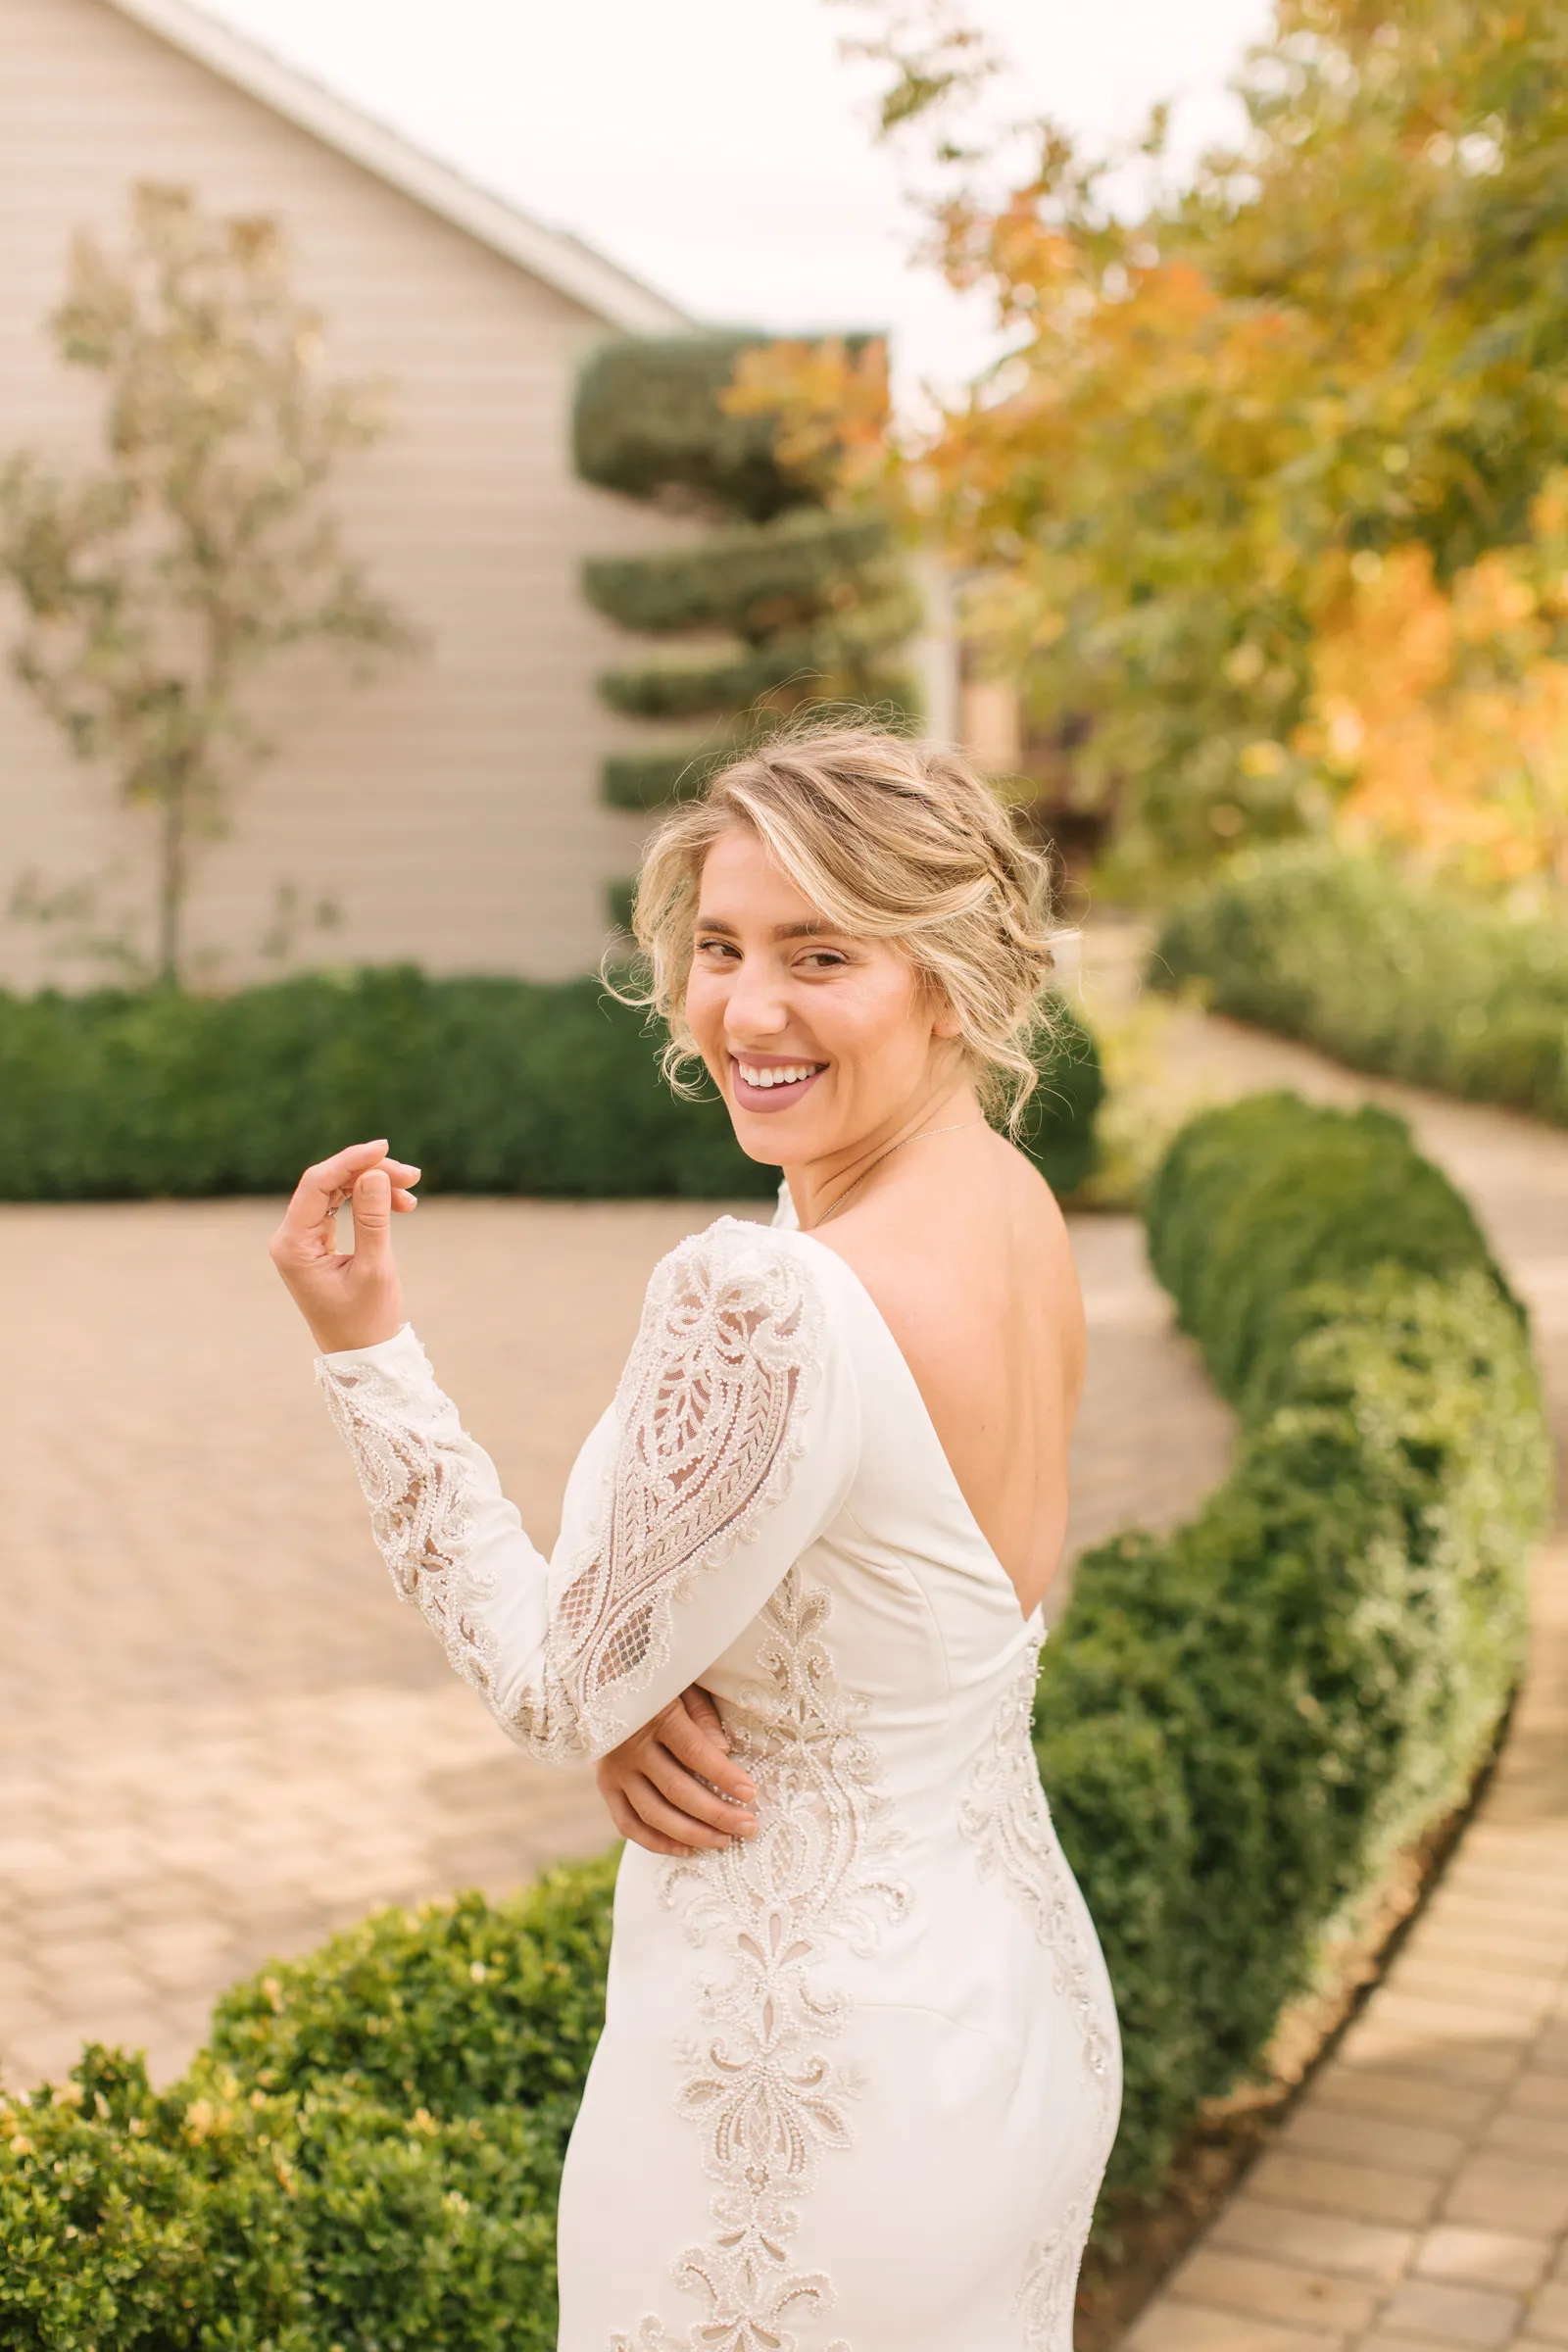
(784, 1074)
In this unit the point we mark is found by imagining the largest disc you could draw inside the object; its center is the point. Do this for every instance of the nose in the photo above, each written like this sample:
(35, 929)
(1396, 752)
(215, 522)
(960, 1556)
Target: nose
(754, 1010)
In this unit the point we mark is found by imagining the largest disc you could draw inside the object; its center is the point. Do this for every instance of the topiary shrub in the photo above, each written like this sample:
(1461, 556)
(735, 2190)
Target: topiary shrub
(787, 603)
(1388, 974)
(492, 1085)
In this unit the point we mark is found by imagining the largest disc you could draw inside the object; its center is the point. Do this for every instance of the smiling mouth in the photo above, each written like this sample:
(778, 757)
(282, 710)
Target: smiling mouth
(772, 1085)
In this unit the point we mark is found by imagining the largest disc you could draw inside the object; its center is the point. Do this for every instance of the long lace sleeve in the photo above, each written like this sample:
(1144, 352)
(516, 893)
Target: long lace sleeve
(730, 1449)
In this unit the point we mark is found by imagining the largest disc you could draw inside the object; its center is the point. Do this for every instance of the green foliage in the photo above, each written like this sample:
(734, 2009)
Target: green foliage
(693, 685)
(1235, 1233)
(807, 605)
(752, 581)
(369, 2152)
(457, 2008)
(1059, 1120)
(649, 780)
(1381, 972)
(156, 587)
(647, 420)
(1242, 1723)
(491, 1085)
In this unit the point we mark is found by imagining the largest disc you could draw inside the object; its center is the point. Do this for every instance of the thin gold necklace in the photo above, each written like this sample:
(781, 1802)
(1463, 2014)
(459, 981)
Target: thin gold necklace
(956, 1129)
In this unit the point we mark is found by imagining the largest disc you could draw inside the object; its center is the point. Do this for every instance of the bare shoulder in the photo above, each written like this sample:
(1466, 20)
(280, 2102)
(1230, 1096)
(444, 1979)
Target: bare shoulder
(967, 1256)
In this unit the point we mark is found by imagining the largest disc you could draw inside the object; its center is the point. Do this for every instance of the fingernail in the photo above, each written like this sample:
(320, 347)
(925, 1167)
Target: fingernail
(746, 1791)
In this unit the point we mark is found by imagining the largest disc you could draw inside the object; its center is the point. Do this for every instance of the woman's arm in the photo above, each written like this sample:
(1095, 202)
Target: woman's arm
(731, 1446)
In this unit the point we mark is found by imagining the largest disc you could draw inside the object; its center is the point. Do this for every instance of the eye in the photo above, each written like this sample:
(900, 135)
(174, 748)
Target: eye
(718, 949)
(825, 960)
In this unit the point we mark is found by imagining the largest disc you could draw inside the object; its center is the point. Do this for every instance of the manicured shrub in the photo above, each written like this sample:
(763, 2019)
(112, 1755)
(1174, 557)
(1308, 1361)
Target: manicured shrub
(1413, 982)
(492, 1085)
(367, 2153)
(787, 605)
(1240, 1724)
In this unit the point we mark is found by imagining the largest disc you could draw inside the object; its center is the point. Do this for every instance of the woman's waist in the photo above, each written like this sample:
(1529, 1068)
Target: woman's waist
(913, 1912)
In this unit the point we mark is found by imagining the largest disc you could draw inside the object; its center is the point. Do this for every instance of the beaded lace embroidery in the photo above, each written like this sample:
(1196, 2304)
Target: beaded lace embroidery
(710, 1410)
(1006, 1819)
(762, 2085)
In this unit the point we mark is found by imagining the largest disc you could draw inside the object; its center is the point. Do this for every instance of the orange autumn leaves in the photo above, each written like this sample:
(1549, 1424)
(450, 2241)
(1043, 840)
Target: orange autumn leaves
(1439, 716)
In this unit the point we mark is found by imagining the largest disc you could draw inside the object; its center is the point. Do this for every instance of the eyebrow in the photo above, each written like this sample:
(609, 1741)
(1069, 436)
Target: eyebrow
(813, 930)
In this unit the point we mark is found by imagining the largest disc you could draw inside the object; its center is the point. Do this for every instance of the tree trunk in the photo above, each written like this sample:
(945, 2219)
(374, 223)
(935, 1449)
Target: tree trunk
(171, 879)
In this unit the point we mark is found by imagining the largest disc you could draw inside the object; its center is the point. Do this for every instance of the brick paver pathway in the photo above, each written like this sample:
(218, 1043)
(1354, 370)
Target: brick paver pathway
(219, 1733)
(1416, 2199)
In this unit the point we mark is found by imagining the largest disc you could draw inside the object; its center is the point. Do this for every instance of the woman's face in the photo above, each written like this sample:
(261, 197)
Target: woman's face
(819, 1041)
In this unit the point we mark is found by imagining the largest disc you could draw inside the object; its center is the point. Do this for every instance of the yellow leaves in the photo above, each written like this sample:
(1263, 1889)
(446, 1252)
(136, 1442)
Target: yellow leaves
(832, 401)
(1491, 599)
(1263, 760)
(1444, 713)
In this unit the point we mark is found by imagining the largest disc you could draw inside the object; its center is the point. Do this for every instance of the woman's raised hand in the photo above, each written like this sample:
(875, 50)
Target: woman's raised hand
(671, 1786)
(351, 1299)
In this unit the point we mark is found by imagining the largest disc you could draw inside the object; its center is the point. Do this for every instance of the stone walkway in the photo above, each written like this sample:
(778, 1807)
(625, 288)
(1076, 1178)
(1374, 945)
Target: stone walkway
(1416, 2198)
(219, 1734)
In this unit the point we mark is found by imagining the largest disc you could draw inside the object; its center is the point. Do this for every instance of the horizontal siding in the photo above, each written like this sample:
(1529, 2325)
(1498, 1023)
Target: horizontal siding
(451, 806)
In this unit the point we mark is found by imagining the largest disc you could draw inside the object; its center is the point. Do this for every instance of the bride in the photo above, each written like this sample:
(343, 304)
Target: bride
(860, 2072)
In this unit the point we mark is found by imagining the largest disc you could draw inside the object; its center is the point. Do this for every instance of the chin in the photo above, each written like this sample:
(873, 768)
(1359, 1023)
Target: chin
(766, 1154)
(759, 1138)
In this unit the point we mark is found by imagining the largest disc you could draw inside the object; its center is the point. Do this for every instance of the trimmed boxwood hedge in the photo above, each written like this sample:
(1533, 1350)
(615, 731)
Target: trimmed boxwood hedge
(1239, 1725)
(1413, 982)
(366, 2157)
(492, 1085)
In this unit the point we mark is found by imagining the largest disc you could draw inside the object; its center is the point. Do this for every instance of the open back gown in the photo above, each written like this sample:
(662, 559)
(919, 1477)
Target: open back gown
(859, 2074)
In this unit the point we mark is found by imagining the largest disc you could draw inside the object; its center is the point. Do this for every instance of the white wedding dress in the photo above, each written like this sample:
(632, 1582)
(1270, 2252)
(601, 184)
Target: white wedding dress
(859, 2074)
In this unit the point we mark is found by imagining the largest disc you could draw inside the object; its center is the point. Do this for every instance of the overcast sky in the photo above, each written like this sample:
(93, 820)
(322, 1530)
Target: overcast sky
(720, 148)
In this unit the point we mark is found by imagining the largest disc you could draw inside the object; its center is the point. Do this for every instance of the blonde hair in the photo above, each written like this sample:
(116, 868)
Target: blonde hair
(894, 839)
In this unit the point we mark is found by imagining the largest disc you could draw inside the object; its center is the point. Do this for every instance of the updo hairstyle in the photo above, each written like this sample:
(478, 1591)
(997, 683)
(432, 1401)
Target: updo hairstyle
(893, 839)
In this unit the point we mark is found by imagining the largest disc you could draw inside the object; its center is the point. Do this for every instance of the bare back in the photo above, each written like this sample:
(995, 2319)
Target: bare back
(968, 1262)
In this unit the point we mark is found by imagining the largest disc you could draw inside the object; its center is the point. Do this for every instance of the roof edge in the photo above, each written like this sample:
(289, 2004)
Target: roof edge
(560, 261)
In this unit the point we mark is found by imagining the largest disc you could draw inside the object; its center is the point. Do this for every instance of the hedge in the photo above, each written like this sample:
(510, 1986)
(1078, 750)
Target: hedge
(367, 2153)
(492, 1085)
(1242, 1723)
(1239, 1724)
(1382, 972)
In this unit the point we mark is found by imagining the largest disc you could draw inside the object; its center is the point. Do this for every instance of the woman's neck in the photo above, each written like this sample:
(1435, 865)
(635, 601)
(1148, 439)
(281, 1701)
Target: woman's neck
(817, 1186)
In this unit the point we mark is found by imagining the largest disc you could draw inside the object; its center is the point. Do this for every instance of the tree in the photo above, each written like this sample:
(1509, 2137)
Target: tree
(1442, 710)
(790, 599)
(1347, 336)
(158, 586)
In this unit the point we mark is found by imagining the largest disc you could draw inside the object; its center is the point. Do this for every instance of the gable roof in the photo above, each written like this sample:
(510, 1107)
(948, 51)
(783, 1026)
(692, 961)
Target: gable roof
(551, 255)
